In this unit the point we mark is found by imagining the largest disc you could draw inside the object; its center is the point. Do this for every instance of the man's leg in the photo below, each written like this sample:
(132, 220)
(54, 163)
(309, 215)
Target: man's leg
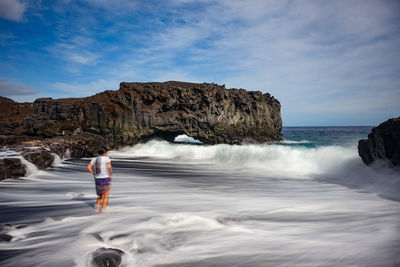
(98, 203)
(105, 199)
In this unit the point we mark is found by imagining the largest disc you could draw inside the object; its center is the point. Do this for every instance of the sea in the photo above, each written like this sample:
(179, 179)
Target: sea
(305, 201)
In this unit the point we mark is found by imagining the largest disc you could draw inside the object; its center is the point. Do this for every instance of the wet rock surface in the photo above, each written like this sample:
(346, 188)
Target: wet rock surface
(42, 158)
(109, 257)
(383, 143)
(11, 168)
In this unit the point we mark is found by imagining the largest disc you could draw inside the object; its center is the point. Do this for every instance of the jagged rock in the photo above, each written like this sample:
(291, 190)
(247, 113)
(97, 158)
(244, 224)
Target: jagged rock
(140, 111)
(109, 257)
(12, 115)
(11, 168)
(383, 143)
(42, 159)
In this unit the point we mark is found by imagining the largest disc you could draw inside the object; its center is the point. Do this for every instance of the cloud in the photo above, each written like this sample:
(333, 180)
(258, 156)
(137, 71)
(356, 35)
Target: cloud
(84, 89)
(76, 50)
(310, 55)
(12, 10)
(8, 88)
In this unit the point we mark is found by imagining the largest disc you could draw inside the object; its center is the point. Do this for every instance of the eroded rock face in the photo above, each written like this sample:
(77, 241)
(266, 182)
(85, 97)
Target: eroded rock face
(12, 115)
(140, 111)
(383, 143)
(41, 158)
(11, 168)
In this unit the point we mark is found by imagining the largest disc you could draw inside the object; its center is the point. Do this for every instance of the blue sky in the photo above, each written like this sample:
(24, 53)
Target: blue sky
(327, 62)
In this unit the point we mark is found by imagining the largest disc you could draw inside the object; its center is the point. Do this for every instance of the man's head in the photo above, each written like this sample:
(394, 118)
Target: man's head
(102, 152)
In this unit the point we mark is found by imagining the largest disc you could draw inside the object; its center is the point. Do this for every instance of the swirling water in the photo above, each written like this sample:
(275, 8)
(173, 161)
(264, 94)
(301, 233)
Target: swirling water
(307, 201)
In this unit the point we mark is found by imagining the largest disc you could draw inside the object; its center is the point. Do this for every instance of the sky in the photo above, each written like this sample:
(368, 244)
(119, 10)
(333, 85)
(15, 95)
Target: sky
(328, 62)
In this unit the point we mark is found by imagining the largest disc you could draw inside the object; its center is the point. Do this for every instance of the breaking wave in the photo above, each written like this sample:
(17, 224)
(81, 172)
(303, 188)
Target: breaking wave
(334, 164)
(278, 159)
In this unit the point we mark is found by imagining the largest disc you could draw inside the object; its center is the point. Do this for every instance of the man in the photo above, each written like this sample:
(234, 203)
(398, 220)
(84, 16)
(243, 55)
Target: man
(103, 176)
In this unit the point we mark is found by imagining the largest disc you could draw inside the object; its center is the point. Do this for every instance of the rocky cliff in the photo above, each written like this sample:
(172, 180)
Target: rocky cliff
(383, 143)
(12, 115)
(140, 111)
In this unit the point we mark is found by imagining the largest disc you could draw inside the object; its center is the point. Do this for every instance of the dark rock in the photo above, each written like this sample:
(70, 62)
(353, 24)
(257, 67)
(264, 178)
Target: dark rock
(12, 139)
(5, 237)
(140, 111)
(11, 168)
(42, 159)
(12, 115)
(383, 143)
(109, 257)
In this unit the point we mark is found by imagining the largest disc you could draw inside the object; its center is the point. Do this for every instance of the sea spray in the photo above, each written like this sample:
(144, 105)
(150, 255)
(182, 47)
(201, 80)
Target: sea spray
(183, 205)
(278, 160)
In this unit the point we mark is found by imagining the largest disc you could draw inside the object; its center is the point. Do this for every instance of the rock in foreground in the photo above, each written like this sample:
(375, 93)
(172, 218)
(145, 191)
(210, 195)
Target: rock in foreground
(383, 143)
(107, 257)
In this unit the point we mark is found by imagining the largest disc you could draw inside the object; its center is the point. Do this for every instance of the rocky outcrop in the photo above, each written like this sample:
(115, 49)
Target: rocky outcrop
(383, 143)
(77, 145)
(41, 158)
(136, 112)
(12, 115)
(41, 152)
(11, 168)
(140, 111)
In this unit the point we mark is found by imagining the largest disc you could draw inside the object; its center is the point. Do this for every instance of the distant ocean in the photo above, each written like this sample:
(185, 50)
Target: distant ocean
(306, 201)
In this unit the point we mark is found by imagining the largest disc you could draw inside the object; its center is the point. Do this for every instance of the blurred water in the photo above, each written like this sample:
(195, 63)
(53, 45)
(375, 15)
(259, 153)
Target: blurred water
(308, 201)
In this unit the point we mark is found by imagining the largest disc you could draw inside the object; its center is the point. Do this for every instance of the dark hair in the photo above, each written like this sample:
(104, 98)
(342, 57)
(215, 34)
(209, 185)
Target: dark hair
(102, 151)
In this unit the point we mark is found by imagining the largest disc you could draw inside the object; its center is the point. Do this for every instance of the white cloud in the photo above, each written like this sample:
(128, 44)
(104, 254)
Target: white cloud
(8, 88)
(84, 89)
(12, 10)
(76, 50)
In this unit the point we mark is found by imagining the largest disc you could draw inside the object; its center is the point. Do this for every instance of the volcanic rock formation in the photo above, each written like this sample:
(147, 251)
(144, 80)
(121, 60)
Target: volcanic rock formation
(383, 143)
(137, 112)
(140, 111)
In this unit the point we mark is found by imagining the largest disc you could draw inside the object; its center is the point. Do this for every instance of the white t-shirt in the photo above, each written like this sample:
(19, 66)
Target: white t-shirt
(100, 166)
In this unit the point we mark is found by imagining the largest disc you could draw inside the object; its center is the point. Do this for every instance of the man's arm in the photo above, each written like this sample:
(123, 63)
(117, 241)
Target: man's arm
(90, 168)
(109, 169)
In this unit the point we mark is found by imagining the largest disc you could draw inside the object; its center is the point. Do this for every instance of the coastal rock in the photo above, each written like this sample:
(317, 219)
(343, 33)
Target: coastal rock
(11, 168)
(12, 115)
(107, 257)
(138, 112)
(383, 143)
(42, 159)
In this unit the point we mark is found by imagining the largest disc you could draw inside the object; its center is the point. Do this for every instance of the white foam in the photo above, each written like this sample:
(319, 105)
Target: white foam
(183, 138)
(295, 142)
(31, 168)
(57, 160)
(67, 154)
(5, 152)
(279, 160)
